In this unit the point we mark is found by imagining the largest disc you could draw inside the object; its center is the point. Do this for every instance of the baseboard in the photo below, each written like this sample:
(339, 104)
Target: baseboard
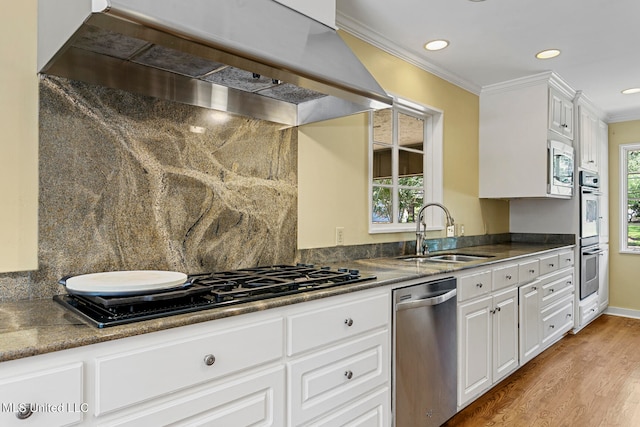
(623, 312)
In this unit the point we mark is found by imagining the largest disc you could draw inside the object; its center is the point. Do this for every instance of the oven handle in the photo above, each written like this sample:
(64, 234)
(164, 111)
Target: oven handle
(596, 252)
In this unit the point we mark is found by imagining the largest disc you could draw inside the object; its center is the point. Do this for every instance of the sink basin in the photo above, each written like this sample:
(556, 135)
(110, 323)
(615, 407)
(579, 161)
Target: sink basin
(454, 258)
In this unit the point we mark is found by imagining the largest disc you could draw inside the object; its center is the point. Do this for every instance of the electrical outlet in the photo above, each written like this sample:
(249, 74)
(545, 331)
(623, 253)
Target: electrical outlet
(459, 229)
(450, 231)
(339, 236)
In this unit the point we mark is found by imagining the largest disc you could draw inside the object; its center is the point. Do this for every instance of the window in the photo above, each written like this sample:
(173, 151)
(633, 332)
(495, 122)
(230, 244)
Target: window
(405, 166)
(630, 197)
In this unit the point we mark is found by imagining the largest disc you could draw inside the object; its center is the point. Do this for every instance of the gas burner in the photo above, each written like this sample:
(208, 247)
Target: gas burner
(209, 290)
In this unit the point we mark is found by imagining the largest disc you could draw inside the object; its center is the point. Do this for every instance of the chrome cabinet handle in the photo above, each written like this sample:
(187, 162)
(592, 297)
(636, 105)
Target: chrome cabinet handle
(552, 326)
(209, 359)
(348, 322)
(532, 271)
(24, 411)
(348, 374)
(508, 277)
(479, 285)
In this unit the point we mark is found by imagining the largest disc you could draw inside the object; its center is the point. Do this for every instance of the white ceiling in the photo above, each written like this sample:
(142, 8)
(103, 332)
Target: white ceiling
(494, 41)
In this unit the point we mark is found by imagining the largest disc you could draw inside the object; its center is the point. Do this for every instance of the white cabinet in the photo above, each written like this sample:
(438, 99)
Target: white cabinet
(517, 119)
(530, 333)
(44, 397)
(156, 370)
(603, 291)
(588, 139)
(474, 348)
(505, 333)
(603, 141)
(560, 114)
(19, 138)
(487, 342)
(340, 355)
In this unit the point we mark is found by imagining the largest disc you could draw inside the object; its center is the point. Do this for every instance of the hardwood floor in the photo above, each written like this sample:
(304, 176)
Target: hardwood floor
(588, 379)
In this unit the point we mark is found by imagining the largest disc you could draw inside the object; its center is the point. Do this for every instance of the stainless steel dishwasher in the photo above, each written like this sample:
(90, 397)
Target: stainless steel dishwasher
(424, 353)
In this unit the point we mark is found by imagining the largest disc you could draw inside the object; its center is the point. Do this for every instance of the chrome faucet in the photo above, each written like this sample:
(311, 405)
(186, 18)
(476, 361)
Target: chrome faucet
(420, 234)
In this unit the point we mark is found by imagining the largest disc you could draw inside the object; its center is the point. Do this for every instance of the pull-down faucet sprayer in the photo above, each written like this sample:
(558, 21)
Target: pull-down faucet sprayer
(420, 234)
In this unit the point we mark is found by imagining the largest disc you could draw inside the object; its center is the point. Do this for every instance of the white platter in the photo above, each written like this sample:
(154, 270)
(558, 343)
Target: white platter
(124, 282)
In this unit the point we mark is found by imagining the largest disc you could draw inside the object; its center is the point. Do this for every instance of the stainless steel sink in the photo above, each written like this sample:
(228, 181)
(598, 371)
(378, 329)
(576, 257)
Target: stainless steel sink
(452, 258)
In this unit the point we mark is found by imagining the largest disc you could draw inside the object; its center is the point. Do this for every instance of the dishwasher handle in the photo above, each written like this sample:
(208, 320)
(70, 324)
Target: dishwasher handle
(422, 302)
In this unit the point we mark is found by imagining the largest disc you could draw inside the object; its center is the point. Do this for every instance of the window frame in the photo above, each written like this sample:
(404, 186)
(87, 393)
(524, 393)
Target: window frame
(624, 202)
(432, 167)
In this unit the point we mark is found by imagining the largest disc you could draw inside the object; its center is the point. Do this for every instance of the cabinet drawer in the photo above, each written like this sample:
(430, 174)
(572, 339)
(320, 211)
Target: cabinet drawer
(332, 323)
(528, 271)
(161, 369)
(473, 285)
(56, 393)
(505, 276)
(556, 320)
(555, 290)
(565, 259)
(256, 399)
(588, 312)
(548, 263)
(371, 411)
(325, 380)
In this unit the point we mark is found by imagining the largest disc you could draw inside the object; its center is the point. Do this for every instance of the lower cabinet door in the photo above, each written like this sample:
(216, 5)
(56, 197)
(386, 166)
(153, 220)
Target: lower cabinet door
(248, 400)
(324, 381)
(474, 348)
(505, 334)
(530, 331)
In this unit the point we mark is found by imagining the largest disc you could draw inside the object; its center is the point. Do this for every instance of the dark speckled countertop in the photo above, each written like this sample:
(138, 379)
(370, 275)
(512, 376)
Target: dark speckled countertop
(28, 328)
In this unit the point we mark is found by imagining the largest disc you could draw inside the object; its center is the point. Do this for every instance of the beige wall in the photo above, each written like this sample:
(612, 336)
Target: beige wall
(332, 163)
(18, 136)
(624, 269)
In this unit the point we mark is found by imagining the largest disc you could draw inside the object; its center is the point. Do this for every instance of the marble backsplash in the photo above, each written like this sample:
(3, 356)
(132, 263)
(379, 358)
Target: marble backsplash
(131, 182)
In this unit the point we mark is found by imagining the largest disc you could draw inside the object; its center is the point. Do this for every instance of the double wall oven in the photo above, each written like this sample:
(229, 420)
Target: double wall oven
(589, 232)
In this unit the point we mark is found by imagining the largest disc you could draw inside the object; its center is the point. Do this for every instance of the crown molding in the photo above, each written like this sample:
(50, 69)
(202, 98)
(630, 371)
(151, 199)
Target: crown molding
(359, 30)
(624, 116)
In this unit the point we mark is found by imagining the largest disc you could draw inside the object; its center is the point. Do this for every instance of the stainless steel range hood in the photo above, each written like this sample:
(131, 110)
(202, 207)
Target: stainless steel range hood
(256, 58)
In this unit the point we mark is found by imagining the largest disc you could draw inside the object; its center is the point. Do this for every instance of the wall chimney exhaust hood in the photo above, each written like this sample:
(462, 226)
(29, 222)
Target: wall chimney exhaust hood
(256, 58)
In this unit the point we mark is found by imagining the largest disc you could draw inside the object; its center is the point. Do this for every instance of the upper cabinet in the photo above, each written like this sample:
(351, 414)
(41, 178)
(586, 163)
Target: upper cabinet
(518, 119)
(321, 10)
(560, 114)
(19, 139)
(589, 134)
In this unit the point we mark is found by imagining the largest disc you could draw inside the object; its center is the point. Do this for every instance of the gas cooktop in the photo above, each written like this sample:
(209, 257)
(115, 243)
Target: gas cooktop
(209, 290)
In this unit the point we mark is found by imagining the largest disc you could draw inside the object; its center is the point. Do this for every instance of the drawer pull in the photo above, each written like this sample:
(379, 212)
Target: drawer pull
(551, 265)
(568, 282)
(508, 276)
(24, 411)
(568, 260)
(569, 315)
(534, 288)
(532, 271)
(552, 326)
(551, 290)
(348, 374)
(479, 285)
(348, 322)
(209, 359)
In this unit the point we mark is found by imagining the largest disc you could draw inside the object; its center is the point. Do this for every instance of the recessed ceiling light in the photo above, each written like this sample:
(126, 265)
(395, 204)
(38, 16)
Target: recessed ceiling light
(631, 90)
(548, 54)
(436, 44)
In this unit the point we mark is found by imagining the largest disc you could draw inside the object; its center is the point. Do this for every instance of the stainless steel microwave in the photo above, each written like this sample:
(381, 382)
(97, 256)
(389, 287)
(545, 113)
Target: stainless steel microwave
(561, 165)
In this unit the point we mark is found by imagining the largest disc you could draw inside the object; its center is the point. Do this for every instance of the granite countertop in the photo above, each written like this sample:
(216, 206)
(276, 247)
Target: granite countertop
(33, 327)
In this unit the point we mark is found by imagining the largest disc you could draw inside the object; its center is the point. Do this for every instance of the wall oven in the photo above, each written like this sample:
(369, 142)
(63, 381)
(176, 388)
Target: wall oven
(589, 233)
